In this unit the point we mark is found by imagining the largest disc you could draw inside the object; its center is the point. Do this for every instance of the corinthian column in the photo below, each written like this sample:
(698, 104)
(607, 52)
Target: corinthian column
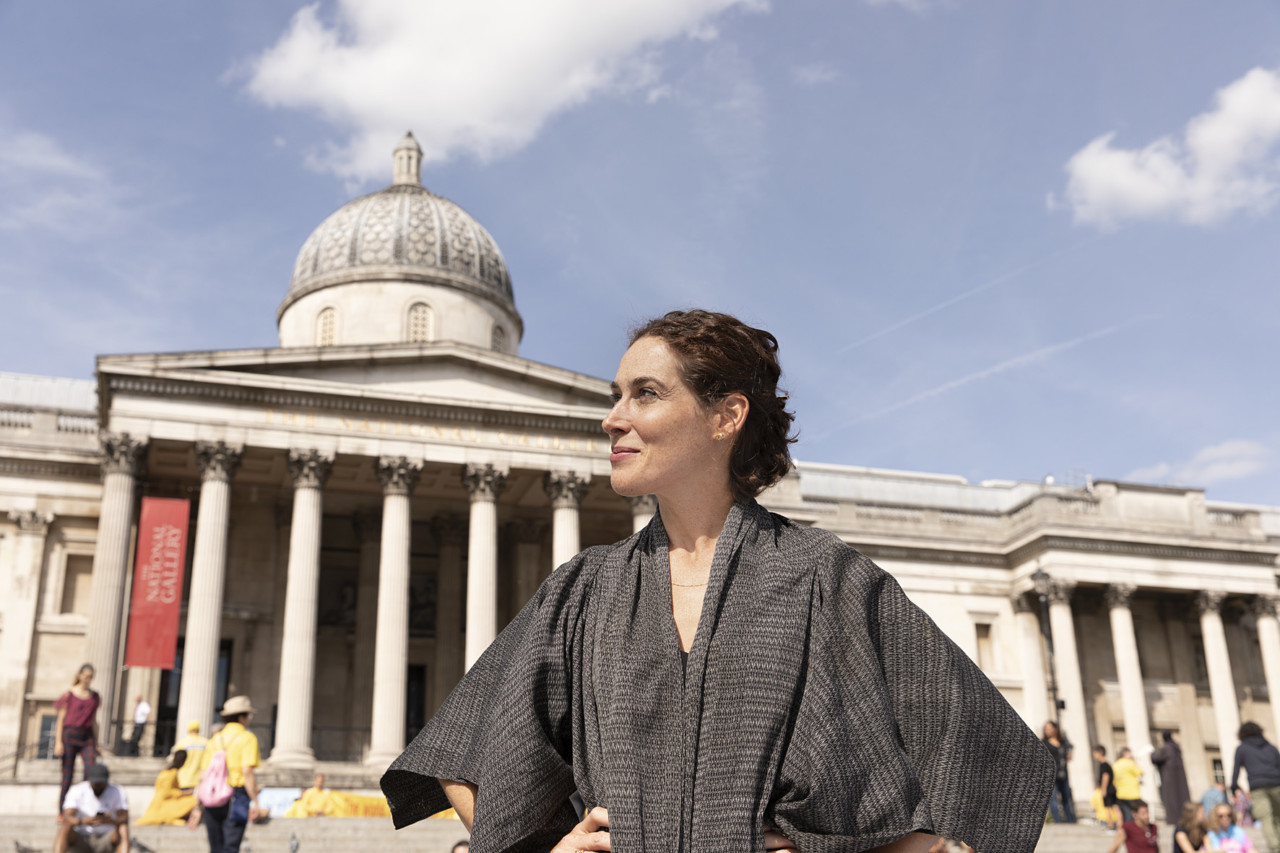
(1264, 608)
(218, 464)
(565, 488)
(20, 620)
(1222, 687)
(449, 531)
(1035, 704)
(642, 510)
(1066, 668)
(309, 470)
(398, 476)
(484, 483)
(122, 458)
(1137, 725)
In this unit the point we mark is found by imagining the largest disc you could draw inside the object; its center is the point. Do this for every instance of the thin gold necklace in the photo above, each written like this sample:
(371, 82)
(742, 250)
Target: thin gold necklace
(704, 583)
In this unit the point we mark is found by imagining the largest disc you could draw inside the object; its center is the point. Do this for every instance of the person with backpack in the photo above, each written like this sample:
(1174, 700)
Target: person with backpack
(228, 789)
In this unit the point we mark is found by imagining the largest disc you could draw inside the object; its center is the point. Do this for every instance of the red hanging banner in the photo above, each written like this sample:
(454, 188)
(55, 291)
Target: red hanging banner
(157, 583)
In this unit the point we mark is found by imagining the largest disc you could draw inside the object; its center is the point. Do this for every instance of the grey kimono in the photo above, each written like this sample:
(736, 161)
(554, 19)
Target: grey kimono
(816, 699)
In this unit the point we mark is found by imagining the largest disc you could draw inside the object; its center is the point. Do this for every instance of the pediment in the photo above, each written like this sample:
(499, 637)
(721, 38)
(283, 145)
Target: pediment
(455, 374)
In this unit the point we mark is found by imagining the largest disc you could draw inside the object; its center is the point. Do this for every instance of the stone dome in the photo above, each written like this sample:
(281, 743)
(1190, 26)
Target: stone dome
(403, 235)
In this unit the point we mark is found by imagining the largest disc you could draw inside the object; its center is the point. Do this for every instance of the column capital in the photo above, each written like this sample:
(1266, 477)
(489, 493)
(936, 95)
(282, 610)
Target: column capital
(565, 488)
(449, 530)
(643, 504)
(309, 469)
(1119, 594)
(1209, 601)
(1060, 592)
(528, 531)
(483, 482)
(1021, 602)
(31, 522)
(368, 525)
(121, 453)
(398, 475)
(1266, 604)
(218, 460)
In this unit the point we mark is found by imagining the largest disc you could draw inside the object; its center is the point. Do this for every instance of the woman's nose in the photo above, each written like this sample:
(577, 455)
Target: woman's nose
(613, 422)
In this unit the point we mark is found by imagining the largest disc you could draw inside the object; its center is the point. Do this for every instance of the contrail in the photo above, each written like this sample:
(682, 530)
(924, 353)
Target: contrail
(985, 373)
(960, 297)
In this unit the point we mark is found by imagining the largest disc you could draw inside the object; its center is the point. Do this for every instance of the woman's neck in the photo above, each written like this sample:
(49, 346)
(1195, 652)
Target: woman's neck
(693, 522)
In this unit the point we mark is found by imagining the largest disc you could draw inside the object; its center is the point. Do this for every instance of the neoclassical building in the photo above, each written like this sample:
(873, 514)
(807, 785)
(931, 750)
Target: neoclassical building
(373, 499)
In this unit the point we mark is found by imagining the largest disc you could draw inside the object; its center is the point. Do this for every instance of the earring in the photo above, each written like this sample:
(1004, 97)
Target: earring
(718, 436)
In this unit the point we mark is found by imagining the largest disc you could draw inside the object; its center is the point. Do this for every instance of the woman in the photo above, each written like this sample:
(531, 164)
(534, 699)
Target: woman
(723, 680)
(1060, 747)
(171, 804)
(75, 731)
(1189, 835)
(1225, 834)
(1105, 795)
(1128, 783)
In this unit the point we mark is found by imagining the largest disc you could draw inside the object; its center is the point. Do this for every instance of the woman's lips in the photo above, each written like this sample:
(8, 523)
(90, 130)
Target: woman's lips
(617, 454)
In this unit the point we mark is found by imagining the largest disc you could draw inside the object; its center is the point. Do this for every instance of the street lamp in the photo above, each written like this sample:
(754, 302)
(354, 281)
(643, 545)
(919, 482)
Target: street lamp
(1040, 578)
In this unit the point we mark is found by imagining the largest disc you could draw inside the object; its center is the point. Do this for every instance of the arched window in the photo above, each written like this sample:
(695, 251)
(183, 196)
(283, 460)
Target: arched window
(419, 323)
(498, 343)
(325, 324)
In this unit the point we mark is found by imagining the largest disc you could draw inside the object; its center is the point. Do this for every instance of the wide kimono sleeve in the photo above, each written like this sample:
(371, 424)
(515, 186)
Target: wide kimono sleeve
(506, 727)
(899, 731)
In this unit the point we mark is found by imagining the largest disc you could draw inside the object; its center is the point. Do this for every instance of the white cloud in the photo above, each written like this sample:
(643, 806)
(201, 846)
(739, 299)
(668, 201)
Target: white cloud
(27, 153)
(479, 77)
(1218, 463)
(814, 74)
(912, 5)
(1224, 163)
(43, 185)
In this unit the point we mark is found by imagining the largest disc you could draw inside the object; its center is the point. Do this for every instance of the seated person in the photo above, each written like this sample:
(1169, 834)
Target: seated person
(171, 804)
(95, 816)
(314, 801)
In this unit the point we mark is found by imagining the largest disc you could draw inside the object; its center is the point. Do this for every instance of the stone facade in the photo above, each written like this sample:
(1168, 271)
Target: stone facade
(367, 514)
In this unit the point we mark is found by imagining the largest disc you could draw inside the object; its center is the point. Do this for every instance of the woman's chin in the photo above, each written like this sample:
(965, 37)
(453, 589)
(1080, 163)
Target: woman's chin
(625, 487)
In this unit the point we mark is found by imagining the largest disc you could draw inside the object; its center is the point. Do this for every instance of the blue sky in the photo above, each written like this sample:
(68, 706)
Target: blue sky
(997, 239)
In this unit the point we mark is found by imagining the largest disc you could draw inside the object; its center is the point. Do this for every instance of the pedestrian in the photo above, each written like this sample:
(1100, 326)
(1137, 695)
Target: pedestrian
(95, 816)
(1214, 795)
(226, 824)
(1138, 835)
(75, 730)
(141, 713)
(1110, 813)
(171, 804)
(1189, 834)
(1261, 761)
(1060, 747)
(1128, 783)
(1174, 790)
(1226, 835)
(193, 745)
(725, 679)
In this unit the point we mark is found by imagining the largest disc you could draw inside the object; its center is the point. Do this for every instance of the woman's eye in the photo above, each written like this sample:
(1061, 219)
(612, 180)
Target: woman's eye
(646, 392)
(615, 397)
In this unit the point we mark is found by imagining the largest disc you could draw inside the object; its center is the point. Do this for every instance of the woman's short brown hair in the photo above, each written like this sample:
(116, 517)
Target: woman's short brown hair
(721, 355)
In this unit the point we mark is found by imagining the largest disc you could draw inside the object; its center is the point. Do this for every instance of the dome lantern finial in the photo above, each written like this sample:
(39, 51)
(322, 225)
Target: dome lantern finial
(408, 162)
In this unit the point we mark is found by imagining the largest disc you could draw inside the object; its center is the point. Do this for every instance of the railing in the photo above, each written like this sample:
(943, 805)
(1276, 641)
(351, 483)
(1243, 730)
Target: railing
(17, 418)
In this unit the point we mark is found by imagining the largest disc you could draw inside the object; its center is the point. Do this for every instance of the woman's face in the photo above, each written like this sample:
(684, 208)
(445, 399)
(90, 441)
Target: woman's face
(661, 438)
(85, 676)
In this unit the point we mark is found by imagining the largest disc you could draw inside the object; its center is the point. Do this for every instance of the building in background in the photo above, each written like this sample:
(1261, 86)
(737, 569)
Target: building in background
(373, 499)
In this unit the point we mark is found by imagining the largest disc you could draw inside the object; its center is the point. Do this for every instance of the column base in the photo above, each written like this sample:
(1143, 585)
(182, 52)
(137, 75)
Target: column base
(381, 760)
(292, 758)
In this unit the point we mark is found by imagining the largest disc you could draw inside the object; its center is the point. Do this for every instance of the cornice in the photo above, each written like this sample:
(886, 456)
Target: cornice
(1142, 549)
(469, 412)
(91, 471)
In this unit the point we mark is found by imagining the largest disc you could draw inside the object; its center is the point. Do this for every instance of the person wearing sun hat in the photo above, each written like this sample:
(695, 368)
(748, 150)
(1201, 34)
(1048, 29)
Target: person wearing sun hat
(193, 744)
(226, 824)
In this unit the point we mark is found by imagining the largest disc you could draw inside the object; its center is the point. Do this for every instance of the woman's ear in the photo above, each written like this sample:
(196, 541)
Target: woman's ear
(732, 414)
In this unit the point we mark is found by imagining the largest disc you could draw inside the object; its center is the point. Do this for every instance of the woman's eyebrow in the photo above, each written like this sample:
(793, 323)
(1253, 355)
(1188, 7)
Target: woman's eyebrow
(637, 382)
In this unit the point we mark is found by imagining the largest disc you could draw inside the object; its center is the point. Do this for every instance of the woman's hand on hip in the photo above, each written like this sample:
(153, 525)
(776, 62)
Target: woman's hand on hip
(776, 841)
(591, 834)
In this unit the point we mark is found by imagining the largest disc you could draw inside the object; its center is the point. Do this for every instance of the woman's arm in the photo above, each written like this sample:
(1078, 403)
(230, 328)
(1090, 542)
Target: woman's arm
(1183, 843)
(1118, 841)
(57, 732)
(462, 796)
(916, 842)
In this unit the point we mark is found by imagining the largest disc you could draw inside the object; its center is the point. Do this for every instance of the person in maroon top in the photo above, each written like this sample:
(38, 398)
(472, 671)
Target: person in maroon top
(1137, 835)
(76, 730)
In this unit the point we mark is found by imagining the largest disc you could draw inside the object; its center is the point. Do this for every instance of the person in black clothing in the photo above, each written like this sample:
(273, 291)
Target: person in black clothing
(1061, 749)
(1107, 784)
(1261, 760)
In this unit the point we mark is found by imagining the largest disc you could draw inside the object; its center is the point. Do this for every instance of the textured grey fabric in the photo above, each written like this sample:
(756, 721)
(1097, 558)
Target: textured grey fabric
(816, 699)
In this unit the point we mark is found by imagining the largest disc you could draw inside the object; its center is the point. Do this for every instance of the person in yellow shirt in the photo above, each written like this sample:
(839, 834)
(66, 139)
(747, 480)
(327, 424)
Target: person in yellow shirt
(226, 823)
(1128, 783)
(193, 744)
(314, 801)
(171, 805)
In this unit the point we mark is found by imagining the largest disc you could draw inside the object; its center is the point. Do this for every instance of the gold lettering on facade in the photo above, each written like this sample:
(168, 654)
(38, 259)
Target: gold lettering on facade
(437, 432)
